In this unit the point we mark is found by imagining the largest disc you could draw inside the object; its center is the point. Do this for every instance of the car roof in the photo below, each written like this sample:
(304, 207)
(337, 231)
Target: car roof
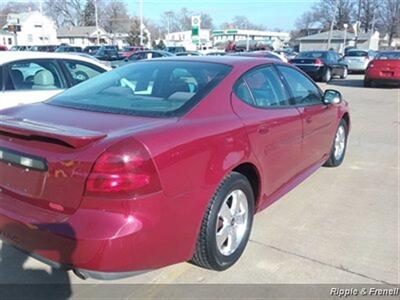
(22, 55)
(226, 59)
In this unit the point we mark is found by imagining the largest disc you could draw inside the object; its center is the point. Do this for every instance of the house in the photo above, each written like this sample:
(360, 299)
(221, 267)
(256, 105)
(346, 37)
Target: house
(82, 36)
(7, 39)
(185, 39)
(339, 40)
(31, 28)
(273, 38)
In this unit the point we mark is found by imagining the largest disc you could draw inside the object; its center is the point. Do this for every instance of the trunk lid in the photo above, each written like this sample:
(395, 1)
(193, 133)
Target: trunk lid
(47, 152)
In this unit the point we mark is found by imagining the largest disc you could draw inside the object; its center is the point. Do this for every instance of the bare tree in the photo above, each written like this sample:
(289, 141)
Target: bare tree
(115, 17)
(182, 20)
(345, 13)
(305, 21)
(389, 15)
(65, 12)
(369, 14)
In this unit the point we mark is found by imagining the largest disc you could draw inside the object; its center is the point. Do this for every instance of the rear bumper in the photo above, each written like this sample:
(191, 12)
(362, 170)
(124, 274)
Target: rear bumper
(103, 241)
(314, 72)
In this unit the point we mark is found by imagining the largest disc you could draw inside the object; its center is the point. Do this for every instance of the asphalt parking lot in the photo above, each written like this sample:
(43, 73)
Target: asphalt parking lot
(339, 226)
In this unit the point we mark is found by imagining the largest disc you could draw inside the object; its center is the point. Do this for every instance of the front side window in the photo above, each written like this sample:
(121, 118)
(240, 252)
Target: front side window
(34, 75)
(81, 71)
(264, 87)
(304, 91)
(150, 88)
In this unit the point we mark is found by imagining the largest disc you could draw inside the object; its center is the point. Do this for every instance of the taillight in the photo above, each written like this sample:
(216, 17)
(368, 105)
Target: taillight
(370, 65)
(318, 62)
(124, 170)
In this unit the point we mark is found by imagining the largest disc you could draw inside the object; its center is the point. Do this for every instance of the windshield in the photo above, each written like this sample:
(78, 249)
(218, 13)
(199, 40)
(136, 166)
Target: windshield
(152, 88)
(357, 53)
(312, 55)
(389, 55)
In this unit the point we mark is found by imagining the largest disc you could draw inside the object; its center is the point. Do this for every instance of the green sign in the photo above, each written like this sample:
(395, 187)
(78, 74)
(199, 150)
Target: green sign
(217, 32)
(231, 31)
(195, 31)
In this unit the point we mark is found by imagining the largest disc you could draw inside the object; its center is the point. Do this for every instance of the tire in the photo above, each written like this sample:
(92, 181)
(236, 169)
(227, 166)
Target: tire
(338, 150)
(327, 75)
(345, 73)
(208, 254)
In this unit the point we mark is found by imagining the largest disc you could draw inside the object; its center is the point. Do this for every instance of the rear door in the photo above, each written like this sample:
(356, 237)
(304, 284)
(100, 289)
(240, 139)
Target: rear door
(30, 81)
(274, 127)
(318, 119)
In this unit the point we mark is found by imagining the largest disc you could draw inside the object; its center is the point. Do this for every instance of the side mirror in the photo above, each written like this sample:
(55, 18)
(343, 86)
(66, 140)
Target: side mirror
(332, 97)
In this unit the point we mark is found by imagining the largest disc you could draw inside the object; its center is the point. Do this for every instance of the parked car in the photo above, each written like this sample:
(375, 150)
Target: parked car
(321, 65)
(43, 48)
(30, 77)
(96, 181)
(148, 54)
(68, 49)
(175, 49)
(129, 50)
(91, 49)
(107, 54)
(384, 69)
(19, 48)
(287, 53)
(3, 48)
(358, 60)
(188, 53)
(261, 54)
(216, 53)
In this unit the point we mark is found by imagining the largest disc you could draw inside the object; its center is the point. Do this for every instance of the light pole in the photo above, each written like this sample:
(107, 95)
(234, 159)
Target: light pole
(345, 36)
(332, 24)
(141, 21)
(97, 21)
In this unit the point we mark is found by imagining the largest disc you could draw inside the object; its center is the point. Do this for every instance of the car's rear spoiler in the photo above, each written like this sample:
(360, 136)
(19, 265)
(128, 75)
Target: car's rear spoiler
(72, 136)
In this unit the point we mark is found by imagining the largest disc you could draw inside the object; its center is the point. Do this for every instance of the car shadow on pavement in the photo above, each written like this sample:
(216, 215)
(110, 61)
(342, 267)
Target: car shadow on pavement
(18, 281)
(358, 83)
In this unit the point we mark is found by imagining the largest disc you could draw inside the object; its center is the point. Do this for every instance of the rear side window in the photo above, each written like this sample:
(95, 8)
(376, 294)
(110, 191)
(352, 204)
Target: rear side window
(81, 71)
(34, 75)
(357, 54)
(303, 90)
(262, 88)
(151, 88)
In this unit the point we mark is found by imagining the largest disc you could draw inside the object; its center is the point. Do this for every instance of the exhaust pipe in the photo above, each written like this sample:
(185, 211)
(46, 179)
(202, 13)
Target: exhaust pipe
(80, 274)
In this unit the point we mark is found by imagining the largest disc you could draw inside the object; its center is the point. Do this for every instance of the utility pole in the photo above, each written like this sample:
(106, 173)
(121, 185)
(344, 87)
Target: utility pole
(332, 24)
(97, 21)
(41, 20)
(358, 23)
(141, 21)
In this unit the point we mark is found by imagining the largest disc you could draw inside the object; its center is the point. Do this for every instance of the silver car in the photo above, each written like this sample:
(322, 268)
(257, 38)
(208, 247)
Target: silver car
(358, 60)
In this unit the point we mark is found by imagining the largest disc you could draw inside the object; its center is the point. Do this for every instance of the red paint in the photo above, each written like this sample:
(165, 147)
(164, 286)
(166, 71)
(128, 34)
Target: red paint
(180, 162)
(383, 70)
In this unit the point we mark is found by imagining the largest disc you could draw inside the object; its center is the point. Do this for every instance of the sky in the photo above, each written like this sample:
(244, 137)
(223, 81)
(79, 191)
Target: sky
(271, 13)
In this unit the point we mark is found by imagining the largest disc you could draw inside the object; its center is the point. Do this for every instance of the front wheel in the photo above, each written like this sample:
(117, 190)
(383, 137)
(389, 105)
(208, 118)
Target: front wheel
(226, 225)
(338, 150)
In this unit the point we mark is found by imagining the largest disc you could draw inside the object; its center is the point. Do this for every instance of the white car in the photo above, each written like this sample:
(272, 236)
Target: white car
(29, 77)
(358, 60)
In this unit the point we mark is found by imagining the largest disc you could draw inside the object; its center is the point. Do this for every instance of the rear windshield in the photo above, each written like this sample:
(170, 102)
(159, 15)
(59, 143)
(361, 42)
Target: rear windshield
(389, 55)
(151, 88)
(357, 53)
(312, 55)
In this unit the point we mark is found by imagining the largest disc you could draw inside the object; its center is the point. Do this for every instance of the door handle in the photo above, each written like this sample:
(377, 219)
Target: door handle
(263, 129)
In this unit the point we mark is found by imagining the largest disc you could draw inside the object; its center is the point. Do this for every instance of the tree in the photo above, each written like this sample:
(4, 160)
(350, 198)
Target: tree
(153, 44)
(89, 18)
(65, 12)
(115, 17)
(134, 33)
(161, 45)
(368, 14)
(305, 21)
(389, 14)
(324, 10)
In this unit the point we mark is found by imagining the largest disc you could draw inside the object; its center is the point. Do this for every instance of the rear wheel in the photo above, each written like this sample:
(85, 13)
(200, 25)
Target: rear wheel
(345, 73)
(226, 225)
(338, 150)
(327, 75)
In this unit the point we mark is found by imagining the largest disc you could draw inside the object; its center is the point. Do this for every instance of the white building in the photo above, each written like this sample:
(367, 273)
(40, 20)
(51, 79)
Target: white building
(7, 39)
(82, 36)
(275, 39)
(184, 38)
(32, 28)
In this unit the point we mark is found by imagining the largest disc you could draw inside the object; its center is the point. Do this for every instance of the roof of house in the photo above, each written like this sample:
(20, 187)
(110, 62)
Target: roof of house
(77, 31)
(336, 35)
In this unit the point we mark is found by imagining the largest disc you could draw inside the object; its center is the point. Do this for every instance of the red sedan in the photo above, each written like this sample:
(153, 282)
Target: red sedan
(384, 69)
(162, 161)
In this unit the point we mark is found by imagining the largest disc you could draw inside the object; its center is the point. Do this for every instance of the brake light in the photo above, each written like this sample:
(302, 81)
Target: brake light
(124, 170)
(370, 65)
(318, 62)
